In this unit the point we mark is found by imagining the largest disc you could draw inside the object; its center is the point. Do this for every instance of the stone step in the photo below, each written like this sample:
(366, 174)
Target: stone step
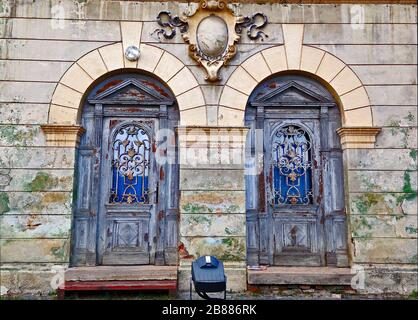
(121, 273)
(300, 276)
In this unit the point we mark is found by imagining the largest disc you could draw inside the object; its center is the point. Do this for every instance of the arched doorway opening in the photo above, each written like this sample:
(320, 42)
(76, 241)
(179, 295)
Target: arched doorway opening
(126, 190)
(295, 191)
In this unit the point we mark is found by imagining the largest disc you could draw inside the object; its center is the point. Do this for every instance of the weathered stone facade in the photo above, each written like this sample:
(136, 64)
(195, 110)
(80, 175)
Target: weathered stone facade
(52, 52)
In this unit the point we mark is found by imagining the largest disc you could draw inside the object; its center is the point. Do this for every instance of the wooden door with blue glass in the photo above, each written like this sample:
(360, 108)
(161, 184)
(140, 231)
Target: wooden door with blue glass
(128, 191)
(295, 202)
(293, 174)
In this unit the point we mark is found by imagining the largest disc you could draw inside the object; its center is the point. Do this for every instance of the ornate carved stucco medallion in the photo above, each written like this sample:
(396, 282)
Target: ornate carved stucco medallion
(211, 36)
(212, 31)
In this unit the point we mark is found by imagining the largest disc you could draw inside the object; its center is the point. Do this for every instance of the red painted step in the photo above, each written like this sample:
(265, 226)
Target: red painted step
(170, 285)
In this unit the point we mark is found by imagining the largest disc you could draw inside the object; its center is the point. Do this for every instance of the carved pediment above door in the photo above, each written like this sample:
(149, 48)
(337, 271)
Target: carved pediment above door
(212, 32)
(290, 93)
(132, 91)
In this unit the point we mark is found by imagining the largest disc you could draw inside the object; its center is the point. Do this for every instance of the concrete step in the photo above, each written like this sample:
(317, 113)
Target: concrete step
(300, 276)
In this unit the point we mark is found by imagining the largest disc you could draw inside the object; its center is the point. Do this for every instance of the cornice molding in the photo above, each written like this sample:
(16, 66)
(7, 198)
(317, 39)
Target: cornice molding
(62, 135)
(358, 137)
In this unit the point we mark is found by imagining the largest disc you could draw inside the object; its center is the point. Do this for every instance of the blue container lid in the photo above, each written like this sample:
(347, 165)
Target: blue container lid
(207, 262)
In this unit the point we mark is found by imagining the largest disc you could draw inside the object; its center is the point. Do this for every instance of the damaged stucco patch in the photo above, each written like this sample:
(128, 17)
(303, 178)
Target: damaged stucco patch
(5, 178)
(35, 202)
(37, 157)
(212, 224)
(381, 250)
(370, 226)
(404, 132)
(35, 226)
(212, 202)
(383, 217)
(224, 248)
(34, 250)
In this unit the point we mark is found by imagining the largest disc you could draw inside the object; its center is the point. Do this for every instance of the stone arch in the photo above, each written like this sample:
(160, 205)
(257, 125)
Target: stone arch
(66, 103)
(341, 81)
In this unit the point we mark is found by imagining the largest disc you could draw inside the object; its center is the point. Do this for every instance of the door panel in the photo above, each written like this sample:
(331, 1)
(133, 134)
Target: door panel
(115, 202)
(295, 208)
(295, 240)
(291, 164)
(127, 213)
(127, 239)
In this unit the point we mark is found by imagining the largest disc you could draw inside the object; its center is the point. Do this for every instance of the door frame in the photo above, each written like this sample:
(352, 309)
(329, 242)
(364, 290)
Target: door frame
(140, 209)
(271, 95)
(103, 101)
(311, 213)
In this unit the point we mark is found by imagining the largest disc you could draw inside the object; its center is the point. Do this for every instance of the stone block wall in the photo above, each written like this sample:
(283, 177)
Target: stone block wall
(41, 40)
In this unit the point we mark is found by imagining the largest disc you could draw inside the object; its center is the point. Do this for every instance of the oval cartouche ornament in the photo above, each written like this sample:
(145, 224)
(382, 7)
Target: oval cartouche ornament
(212, 36)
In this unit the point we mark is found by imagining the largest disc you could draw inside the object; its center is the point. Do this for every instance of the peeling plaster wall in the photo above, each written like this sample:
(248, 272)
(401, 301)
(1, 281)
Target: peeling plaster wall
(36, 181)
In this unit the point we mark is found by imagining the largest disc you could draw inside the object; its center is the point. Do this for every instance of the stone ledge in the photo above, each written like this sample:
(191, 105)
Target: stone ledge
(300, 275)
(121, 273)
(358, 137)
(62, 135)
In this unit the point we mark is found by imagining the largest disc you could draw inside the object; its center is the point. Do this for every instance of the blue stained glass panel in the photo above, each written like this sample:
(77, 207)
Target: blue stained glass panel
(292, 166)
(130, 165)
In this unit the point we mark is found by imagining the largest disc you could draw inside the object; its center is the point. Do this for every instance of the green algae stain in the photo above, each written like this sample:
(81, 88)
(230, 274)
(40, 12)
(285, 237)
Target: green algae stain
(364, 202)
(195, 208)
(4, 202)
(360, 227)
(411, 118)
(41, 182)
(230, 231)
(233, 209)
(226, 256)
(200, 219)
(13, 135)
(44, 181)
(233, 245)
(60, 252)
(414, 294)
(405, 132)
(413, 154)
(411, 230)
(408, 192)
(407, 188)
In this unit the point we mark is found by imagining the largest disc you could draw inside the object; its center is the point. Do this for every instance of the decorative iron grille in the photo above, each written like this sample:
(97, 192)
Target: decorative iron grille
(292, 166)
(130, 165)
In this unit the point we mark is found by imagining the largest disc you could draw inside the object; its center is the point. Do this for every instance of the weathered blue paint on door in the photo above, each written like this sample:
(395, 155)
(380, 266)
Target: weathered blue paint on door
(295, 201)
(123, 211)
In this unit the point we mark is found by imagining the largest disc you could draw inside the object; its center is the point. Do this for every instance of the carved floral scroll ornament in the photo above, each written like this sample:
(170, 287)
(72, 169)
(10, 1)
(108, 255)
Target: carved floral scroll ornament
(211, 31)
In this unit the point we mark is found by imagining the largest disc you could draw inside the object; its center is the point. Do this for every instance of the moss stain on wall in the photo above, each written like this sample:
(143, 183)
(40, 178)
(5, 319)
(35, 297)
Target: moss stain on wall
(60, 252)
(409, 193)
(4, 202)
(18, 135)
(44, 181)
(196, 208)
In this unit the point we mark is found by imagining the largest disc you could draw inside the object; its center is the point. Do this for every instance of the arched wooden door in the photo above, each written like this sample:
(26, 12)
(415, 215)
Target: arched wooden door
(125, 208)
(295, 191)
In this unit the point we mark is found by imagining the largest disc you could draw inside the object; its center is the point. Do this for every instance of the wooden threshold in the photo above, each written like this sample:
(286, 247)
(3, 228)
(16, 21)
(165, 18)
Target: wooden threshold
(124, 278)
(113, 273)
(300, 276)
(119, 285)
